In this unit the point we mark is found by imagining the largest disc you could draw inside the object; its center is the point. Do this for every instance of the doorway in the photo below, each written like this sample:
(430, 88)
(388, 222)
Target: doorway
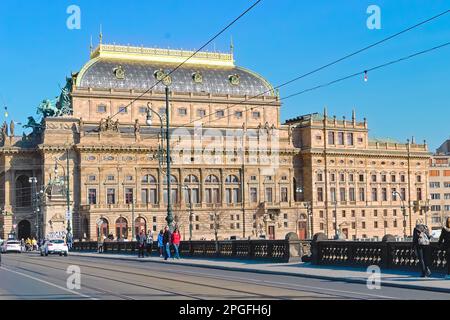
(24, 229)
(302, 230)
(271, 232)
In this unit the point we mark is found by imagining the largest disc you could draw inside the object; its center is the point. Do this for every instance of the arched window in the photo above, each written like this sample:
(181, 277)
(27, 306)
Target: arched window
(232, 179)
(23, 192)
(191, 189)
(140, 224)
(104, 228)
(212, 190)
(233, 190)
(191, 179)
(174, 190)
(121, 228)
(149, 190)
(212, 179)
(148, 178)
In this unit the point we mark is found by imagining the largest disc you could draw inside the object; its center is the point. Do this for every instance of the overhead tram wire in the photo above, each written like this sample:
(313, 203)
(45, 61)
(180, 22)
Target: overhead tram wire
(323, 67)
(192, 55)
(360, 73)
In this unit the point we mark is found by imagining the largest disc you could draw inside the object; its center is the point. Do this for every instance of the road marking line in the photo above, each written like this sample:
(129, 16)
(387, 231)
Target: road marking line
(49, 283)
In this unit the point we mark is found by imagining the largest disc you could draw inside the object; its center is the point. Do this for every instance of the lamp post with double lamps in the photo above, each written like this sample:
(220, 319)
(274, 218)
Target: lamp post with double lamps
(150, 112)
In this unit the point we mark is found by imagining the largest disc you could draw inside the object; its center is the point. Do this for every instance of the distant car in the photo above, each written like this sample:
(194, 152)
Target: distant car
(58, 246)
(11, 246)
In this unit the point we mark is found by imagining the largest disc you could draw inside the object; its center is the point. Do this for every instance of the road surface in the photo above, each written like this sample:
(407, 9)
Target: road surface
(30, 276)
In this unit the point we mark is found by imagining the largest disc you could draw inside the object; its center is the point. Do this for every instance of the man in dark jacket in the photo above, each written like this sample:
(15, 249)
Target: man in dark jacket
(421, 243)
(141, 243)
(444, 242)
(166, 242)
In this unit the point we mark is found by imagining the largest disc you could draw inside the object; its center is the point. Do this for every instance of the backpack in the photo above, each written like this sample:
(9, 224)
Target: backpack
(423, 240)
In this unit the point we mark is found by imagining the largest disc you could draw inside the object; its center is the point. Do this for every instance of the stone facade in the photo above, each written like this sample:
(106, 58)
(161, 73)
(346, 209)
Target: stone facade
(232, 160)
(236, 170)
(340, 169)
(439, 199)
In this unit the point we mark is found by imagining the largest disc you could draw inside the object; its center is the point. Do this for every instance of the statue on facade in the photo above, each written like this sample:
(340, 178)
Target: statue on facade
(47, 108)
(137, 127)
(109, 125)
(4, 131)
(11, 128)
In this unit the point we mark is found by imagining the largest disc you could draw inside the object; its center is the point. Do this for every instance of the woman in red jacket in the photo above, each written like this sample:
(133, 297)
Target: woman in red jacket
(176, 238)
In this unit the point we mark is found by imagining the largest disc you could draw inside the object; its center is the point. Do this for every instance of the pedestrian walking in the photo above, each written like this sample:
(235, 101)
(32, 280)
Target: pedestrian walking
(421, 244)
(141, 243)
(166, 243)
(161, 243)
(176, 238)
(34, 243)
(149, 243)
(444, 242)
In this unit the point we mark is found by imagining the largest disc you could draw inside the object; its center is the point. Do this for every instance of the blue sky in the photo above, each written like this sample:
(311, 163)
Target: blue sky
(278, 39)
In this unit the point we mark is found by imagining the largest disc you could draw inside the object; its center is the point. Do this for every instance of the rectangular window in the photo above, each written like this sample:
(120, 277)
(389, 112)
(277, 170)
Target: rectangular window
(123, 109)
(384, 194)
(269, 195)
(435, 196)
(333, 194)
(341, 138)
(351, 177)
(402, 178)
(361, 178)
(342, 194)
(403, 193)
(320, 194)
(144, 196)
(383, 178)
(362, 194)
(142, 109)
(394, 194)
(101, 109)
(220, 113)
(128, 195)
(319, 177)
(331, 137)
(351, 194)
(182, 112)
(374, 194)
(350, 139)
(111, 196)
(238, 114)
(92, 195)
(393, 177)
(201, 113)
(256, 115)
(419, 194)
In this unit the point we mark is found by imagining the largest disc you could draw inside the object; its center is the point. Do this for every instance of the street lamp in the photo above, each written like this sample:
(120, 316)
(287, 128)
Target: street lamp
(149, 121)
(395, 193)
(191, 213)
(308, 206)
(33, 182)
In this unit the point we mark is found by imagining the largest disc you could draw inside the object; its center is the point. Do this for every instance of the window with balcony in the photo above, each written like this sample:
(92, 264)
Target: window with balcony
(284, 194)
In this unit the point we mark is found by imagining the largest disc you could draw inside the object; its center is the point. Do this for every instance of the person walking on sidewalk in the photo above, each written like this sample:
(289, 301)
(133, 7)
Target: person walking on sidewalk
(444, 243)
(166, 243)
(141, 243)
(149, 243)
(421, 244)
(176, 238)
(161, 243)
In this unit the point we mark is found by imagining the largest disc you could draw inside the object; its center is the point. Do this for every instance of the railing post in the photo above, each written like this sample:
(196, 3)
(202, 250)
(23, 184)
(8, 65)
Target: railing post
(386, 251)
(316, 248)
(292, 248)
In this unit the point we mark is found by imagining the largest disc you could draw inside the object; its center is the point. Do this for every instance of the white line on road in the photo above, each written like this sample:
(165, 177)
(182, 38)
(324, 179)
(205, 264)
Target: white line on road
(49, 283)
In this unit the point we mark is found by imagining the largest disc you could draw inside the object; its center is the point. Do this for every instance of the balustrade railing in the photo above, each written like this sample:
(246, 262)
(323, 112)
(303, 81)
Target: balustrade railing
(387, 255)
(272, 250)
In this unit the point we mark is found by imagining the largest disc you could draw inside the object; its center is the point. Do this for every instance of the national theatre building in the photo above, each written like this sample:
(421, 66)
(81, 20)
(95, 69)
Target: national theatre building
(94, 162)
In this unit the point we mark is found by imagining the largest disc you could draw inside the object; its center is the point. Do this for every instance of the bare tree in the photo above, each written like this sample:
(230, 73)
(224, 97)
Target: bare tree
(218, 223)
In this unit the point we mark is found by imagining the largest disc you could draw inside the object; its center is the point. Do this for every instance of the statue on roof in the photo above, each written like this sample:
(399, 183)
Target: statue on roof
(11, 128)
(47, 108)
(64, 101)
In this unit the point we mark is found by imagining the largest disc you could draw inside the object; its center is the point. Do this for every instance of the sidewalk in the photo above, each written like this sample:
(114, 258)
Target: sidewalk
(392, 278)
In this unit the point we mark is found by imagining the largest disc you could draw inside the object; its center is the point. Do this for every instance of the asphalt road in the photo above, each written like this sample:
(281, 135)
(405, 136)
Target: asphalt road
(29, 276)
